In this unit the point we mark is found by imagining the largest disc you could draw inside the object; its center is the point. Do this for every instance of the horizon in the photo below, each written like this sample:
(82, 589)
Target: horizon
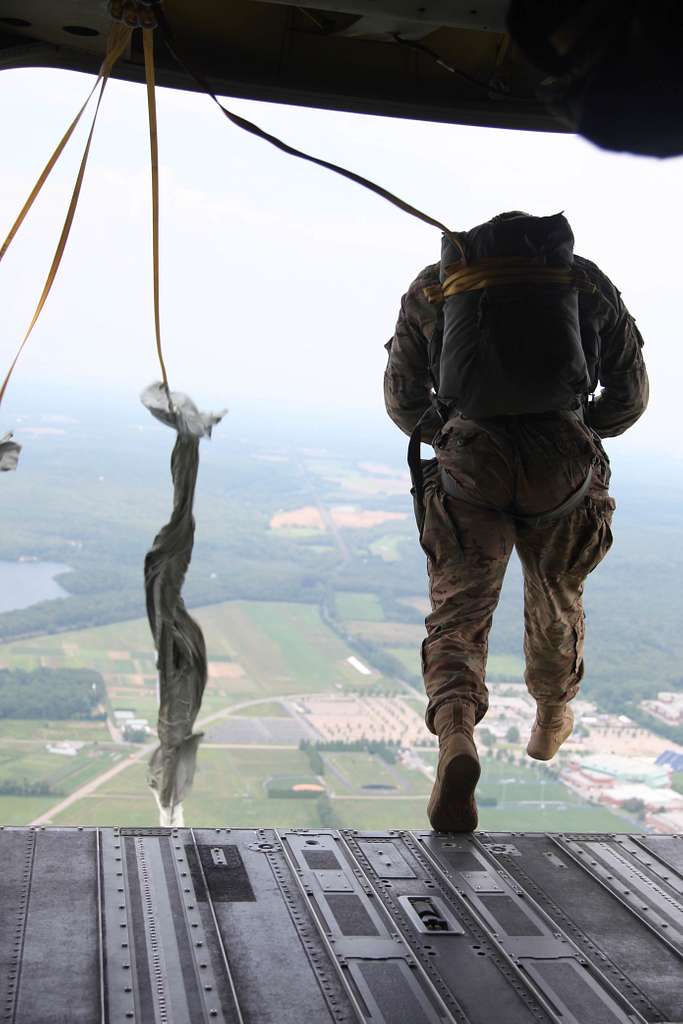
(234, 215)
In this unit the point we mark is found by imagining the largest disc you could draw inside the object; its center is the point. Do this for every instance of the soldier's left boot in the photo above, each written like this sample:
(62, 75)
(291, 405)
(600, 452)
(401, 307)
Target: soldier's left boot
(553, 725)
(452, 807)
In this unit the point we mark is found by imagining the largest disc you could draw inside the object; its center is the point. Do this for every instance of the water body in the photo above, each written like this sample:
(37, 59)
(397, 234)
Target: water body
(25, 583)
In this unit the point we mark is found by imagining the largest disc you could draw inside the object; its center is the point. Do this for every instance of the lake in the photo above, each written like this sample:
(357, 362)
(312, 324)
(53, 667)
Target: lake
(25, 583)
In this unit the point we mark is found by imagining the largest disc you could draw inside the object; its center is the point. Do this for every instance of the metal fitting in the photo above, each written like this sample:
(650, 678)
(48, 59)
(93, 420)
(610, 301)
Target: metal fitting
(135, 13)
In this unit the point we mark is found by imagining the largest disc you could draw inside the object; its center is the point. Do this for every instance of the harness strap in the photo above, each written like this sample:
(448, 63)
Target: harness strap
(415, 458)
(453, 488)
(506, 272)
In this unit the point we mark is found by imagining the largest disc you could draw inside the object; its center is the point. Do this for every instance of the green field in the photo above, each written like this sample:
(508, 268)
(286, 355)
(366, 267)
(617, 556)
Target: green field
(33, 763)
(274, 648)
(387, 548)
(506, 665)
(347, 773)
(361, 607)
(267, 709)
(20, 810)
(40, 729)
(259, 651)
(229, 789)
(409, 658)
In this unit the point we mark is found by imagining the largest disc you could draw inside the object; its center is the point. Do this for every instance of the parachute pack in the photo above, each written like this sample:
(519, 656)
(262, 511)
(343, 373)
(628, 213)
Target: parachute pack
(511, 340)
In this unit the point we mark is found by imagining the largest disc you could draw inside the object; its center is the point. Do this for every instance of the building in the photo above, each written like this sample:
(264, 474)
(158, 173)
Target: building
(668, 707)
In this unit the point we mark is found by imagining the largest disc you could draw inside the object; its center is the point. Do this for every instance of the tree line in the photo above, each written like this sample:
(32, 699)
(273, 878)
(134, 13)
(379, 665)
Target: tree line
(52, 693)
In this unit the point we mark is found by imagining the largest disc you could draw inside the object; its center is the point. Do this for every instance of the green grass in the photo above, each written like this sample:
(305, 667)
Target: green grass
(34, 764)
(580, 818)
(270, 709)
(677, 781)
(40, 729)
(281, 647)
(229, 789)
(348, 772)
(358, 607)
(378, 814)
(387, 548)
(409, 658)
(389, 634)
(508, 665)
(20, 810)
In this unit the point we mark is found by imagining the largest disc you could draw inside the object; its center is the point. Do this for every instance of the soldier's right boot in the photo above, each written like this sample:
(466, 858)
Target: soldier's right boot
(553, 725)
(452, 807)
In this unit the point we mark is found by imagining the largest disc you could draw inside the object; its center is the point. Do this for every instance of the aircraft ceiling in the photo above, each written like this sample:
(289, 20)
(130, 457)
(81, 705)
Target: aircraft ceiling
(442, 60)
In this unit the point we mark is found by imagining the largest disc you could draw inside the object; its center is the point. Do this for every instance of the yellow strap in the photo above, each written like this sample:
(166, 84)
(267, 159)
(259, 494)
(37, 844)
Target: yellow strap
(475, 281)
(506, 272)
(116, 44)
(148, 44)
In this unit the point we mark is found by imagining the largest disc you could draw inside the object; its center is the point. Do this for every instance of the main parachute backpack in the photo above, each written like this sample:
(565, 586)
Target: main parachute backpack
(511, 337)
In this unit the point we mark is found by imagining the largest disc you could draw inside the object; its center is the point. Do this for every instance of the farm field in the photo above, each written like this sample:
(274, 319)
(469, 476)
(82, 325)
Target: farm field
(255, 649)
(26, 763)
(388, 548)
(258, 652)
(229, 788)
(363, 607)
(30, 729)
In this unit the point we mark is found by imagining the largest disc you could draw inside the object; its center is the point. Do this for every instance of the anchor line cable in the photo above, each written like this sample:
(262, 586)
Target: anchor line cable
(116, 44)
(284, 147)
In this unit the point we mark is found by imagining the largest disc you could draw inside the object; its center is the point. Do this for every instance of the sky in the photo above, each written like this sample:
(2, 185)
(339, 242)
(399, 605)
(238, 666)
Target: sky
(280, 282)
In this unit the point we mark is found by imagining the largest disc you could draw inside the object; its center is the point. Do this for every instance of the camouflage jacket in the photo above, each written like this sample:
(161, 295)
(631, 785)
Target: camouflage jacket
(611, 342)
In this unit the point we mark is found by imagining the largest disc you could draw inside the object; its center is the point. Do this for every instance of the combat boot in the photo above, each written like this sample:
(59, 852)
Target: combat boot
(553, 725)
(452, 807)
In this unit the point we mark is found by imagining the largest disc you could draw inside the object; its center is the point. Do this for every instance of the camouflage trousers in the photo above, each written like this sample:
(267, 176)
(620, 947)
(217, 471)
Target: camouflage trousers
(527, 465)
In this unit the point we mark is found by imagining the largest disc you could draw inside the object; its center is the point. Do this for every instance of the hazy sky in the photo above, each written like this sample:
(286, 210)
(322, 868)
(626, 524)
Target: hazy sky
(279, 280)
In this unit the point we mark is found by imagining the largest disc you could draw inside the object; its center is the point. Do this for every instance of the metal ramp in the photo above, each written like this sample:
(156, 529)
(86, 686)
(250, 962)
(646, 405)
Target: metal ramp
(224, 926)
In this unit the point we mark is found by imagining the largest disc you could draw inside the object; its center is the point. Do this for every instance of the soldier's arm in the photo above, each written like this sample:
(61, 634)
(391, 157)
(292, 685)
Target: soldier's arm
(407, 379)
(625, 386)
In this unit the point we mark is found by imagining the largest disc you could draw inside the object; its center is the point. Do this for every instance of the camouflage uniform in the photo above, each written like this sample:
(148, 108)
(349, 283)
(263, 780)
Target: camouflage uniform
(529, 464)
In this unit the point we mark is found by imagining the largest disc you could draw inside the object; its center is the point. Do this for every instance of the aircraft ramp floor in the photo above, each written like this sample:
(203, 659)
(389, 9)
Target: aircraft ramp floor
(243, 926)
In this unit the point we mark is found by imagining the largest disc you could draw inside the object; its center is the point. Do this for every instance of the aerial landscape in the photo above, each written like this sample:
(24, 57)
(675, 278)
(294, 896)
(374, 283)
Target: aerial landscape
(310, 588)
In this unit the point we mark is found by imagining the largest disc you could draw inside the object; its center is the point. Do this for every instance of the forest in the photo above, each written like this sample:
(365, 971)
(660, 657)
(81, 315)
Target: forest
(52, 694)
